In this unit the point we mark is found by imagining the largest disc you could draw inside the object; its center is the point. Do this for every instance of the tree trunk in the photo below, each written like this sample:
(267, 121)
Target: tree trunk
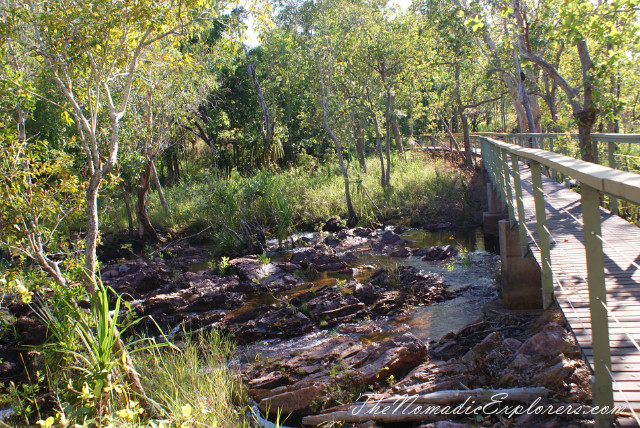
(383, 177)
(176, 167)
(91, 240)
(145, 229)
(127, 205)
(156, 181)
(387, 138)
(395, 126)
(522, 93)
(358, 130)
(468, 159)
(586, 120)
(352, 218)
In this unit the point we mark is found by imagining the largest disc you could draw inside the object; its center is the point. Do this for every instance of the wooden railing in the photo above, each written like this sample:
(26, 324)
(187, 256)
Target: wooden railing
(549, 142)
(502, 161)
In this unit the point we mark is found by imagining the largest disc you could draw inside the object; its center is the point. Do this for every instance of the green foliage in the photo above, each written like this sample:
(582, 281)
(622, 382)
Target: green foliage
(197, 375)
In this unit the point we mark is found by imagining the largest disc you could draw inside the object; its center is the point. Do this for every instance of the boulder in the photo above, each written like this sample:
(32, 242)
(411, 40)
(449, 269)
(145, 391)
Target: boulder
(320, 258)
(269, 381)
(510, 344)
(387, 242)
(281, 281)
(439, 252)
(291, 402)
(250, 268)
(333, 225)
(401, 252)
(548, 343)
(393, 356)
(554, 376)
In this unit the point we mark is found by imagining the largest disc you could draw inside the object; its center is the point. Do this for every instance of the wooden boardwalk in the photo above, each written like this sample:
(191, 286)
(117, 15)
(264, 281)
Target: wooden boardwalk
(621, 245)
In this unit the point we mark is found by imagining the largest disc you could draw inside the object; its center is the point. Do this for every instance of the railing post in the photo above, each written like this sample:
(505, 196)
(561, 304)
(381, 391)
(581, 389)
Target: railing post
(613, 201)
(515, 167)
(602, 384)
(501, 177)
(543, 235)
(507, 181)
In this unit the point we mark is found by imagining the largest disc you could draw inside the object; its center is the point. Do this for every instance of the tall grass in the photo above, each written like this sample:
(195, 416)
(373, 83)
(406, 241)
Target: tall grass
(422, 191)
(195, 384)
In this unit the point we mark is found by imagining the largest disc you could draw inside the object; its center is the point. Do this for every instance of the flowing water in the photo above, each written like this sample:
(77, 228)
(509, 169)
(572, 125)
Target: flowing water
(472, 272)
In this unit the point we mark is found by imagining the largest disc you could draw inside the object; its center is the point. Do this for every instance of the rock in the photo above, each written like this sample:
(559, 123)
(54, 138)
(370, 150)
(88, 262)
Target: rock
(548, 343)
(266, 322)
(520, 361)
(30, 331)
(439, 252)
(289, 267)
(447, 350)
(268, 381)
(387, 241)
(319, 258)
(214, 300)
(250, 268)
(281, 281)
(138, 278)
(333, 225)
(162, 303)
(392, 356)
(439, 227)
(489, 343)
(554, 376)
(510, 344)
(401, 252)
(330, 306)
(291, 402)
(363, 232)
(399, 230)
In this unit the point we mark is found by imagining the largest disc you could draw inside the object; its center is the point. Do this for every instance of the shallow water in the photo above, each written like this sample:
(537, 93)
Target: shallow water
(473, 271)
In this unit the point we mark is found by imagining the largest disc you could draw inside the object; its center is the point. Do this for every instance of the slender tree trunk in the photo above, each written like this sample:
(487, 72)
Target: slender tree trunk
(522, 92)
(127, 205)
(145, 229)
(156, 181)
(387, 139)
(91, 240)
(358, 131)
(395, 126)
(268, 123)
(176, 167)
(383, 177)
(468, 159)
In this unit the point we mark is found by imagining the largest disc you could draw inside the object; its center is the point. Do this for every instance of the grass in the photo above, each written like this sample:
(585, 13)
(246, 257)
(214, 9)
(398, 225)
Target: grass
(422, 191)
(195, 384)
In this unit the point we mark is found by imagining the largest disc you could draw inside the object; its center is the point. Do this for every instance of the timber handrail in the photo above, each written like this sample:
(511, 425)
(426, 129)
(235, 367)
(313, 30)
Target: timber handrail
(623, 184)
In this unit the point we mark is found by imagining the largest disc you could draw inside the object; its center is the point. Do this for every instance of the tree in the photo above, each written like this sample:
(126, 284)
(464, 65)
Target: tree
(94, 62)
(579, 21)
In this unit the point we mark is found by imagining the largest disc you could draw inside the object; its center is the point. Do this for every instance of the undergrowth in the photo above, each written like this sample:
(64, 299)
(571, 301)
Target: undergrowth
(422, 190)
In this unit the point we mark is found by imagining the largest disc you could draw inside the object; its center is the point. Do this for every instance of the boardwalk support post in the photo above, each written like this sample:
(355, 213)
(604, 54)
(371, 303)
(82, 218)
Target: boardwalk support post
(602, 384)
(520, 275)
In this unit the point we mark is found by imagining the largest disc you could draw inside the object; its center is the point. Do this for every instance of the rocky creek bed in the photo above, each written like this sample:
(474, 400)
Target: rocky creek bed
(384, 312)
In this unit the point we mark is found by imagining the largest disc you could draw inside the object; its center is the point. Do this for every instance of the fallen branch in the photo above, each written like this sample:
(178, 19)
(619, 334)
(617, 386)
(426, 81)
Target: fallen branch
(430, 407)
